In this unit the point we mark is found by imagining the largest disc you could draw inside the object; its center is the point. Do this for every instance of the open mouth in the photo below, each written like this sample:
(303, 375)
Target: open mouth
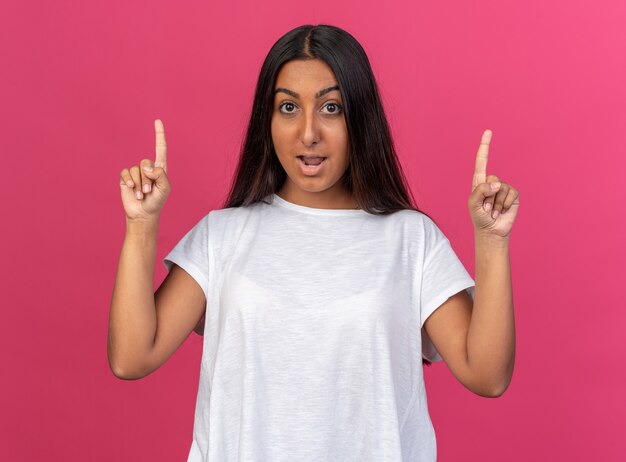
(312, 165)
(311, 161)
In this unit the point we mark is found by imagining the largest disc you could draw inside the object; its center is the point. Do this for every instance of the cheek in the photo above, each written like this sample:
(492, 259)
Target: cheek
(342, 142)
(278, 135)
(280, 145)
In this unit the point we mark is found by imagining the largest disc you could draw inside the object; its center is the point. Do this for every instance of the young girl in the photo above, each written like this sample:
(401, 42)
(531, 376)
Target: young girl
(319, 288)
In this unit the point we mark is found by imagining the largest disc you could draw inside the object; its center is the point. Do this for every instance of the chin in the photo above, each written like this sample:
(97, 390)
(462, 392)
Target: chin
(312, 185)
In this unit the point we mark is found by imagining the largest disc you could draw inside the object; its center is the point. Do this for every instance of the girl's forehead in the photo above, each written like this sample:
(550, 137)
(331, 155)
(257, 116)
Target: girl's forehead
(306, 79)
(301, 71)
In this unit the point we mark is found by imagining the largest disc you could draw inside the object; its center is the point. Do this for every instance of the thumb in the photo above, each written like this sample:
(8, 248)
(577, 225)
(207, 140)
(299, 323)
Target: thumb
(485, 190)
(156, 174)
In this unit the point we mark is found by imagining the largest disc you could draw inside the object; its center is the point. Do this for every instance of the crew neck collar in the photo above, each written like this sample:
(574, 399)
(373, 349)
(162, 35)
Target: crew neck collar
(315, 211)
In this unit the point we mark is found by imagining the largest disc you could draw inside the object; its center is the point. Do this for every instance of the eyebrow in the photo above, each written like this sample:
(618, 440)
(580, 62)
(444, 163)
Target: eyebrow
(319, 94)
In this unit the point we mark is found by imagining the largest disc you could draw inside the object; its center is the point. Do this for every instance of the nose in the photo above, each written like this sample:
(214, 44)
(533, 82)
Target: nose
(310, 132)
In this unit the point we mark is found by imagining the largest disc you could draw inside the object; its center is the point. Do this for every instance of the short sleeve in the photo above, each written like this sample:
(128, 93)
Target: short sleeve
(192, 254)
(443, 275)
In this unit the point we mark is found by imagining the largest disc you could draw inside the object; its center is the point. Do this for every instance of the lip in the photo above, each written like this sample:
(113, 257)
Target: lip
(309, 156)
(310, 171)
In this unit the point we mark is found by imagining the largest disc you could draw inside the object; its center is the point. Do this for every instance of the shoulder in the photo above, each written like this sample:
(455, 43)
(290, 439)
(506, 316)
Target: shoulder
(416, 221)
(230, 218)
(427, 225)
(420, 231)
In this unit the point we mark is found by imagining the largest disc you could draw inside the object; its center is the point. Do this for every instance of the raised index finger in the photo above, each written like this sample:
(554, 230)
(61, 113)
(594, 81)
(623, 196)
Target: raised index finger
(480, 169)
(161, 146)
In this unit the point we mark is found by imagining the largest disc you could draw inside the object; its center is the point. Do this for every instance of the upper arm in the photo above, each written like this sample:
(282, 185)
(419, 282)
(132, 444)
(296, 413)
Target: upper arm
(447, 328)
(180, 306)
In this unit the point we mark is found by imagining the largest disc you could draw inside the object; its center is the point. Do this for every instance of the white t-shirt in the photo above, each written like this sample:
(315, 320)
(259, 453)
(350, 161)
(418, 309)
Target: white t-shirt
(313, 337)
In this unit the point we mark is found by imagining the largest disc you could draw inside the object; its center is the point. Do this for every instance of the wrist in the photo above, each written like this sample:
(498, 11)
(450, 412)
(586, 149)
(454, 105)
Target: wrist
(141, 226)
(491, 240)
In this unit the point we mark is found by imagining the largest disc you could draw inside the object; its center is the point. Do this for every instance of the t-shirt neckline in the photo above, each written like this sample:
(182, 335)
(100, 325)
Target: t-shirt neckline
(315, 211)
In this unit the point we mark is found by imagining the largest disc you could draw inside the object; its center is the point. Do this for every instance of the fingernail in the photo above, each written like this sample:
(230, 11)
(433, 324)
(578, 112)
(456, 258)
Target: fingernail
(495, 185)
(138, 194)
(146, 188)
(488, 206)
(495, 214)
(148, 169)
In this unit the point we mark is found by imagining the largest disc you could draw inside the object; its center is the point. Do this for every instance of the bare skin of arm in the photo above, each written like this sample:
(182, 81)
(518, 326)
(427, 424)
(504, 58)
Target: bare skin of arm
(477, 340)
(146, 328)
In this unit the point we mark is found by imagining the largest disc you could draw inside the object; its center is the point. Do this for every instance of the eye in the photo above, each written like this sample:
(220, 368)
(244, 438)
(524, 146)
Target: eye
(336, 106)
(286, 104)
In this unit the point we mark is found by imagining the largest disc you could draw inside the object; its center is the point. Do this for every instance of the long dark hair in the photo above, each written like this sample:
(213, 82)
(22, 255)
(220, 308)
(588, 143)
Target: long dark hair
(374, 175)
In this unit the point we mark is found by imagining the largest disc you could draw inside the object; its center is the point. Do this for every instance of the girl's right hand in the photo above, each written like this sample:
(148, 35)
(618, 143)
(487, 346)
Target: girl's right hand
(143, 204)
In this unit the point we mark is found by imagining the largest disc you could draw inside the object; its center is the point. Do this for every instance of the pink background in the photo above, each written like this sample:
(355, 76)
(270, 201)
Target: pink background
(80, 86)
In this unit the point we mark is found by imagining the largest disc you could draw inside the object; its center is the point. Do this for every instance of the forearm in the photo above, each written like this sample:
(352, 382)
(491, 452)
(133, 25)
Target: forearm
(132, 319)
(491, 335)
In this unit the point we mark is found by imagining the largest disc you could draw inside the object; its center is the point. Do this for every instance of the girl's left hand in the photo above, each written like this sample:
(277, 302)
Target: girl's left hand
(493, 210)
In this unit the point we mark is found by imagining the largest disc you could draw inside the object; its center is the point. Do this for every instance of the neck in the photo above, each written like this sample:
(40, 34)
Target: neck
(328, 199)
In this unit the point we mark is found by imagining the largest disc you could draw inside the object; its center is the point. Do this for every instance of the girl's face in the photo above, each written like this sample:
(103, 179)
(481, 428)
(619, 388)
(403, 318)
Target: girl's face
(308, 121)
